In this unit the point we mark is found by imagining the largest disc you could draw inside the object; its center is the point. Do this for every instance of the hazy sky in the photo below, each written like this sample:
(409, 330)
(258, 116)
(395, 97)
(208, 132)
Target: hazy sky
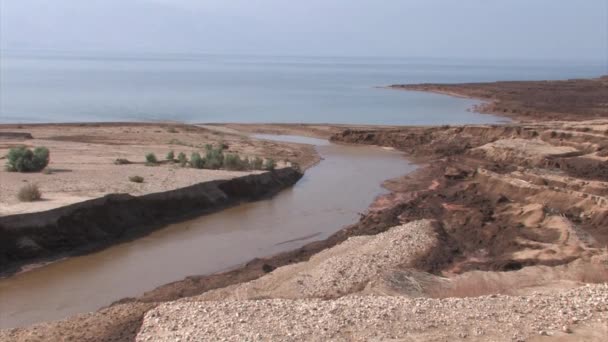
(545, 29)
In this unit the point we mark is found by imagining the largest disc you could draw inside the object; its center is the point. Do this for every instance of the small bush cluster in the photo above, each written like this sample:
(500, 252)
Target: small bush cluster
(22, 159)
(182, 159)
(151, 159)
(234, 162)
(214, 159)
(170, 156)
(257, 163)
(196, 161)
(29, 193)
(270, 164)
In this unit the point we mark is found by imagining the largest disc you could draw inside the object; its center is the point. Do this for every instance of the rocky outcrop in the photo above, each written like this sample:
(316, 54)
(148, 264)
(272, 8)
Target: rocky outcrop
(90, 225)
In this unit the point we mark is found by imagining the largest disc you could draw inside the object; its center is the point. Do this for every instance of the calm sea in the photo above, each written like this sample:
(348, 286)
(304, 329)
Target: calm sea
(214, 88)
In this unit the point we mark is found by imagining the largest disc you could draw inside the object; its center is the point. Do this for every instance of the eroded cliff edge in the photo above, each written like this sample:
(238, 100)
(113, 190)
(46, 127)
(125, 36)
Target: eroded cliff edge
(94, 224)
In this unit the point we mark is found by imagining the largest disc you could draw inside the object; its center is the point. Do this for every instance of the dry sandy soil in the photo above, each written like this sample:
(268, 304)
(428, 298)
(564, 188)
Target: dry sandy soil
(502, 236)
(82, 160)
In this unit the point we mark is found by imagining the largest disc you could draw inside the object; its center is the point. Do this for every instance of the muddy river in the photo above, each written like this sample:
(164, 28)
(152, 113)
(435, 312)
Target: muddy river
(328, 197)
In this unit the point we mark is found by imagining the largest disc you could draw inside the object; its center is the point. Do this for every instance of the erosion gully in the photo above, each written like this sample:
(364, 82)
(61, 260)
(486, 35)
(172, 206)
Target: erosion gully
(328, 197)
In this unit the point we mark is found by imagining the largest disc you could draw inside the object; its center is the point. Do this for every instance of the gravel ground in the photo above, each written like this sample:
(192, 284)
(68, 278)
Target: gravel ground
(365, 318)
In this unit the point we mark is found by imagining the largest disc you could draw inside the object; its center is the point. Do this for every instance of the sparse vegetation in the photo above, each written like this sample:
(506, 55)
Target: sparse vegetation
(214, 157)
(136, 179)
(270, 164)
(151, 159)
(22, 159)
(182, 159)
(172, 130)
(170, 156)
(196, 161)
(234, 162)
(257, 163)
(29, 193)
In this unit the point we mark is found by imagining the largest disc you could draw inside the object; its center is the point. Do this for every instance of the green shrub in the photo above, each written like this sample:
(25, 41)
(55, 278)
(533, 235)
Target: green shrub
(182, 159)
(270, 164)
(170, 156)
(29, 193)
(257, 163)
(196, 161)
(234, 162)
(151, 159)
(22, 159)
(214, 157)
(136, 179)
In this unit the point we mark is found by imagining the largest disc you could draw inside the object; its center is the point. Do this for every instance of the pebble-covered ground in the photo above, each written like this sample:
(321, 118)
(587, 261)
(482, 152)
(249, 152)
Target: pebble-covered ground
(376, 318)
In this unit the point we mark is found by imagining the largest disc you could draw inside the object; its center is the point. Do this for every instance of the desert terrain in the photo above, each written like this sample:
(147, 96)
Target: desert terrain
(501, 234)
(83, 161)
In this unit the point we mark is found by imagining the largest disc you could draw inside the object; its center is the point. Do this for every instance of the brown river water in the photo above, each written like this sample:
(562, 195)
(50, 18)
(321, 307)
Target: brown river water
(328, 197)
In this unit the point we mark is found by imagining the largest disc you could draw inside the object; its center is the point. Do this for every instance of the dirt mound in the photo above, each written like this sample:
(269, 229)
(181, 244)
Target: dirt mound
(506, 196)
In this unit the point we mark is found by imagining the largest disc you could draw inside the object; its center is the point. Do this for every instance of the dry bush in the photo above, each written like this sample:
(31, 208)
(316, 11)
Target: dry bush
(136, 179)
(29, 193)
(121, 161)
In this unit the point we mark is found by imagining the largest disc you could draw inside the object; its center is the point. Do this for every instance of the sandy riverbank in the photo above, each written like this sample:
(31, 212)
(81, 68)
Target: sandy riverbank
(82, 160)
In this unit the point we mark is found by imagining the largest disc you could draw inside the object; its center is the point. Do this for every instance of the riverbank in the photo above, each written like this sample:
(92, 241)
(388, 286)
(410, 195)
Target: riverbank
(92, 160)
(90, 173)
(513, 215)
(89, 226)
(210, 243)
